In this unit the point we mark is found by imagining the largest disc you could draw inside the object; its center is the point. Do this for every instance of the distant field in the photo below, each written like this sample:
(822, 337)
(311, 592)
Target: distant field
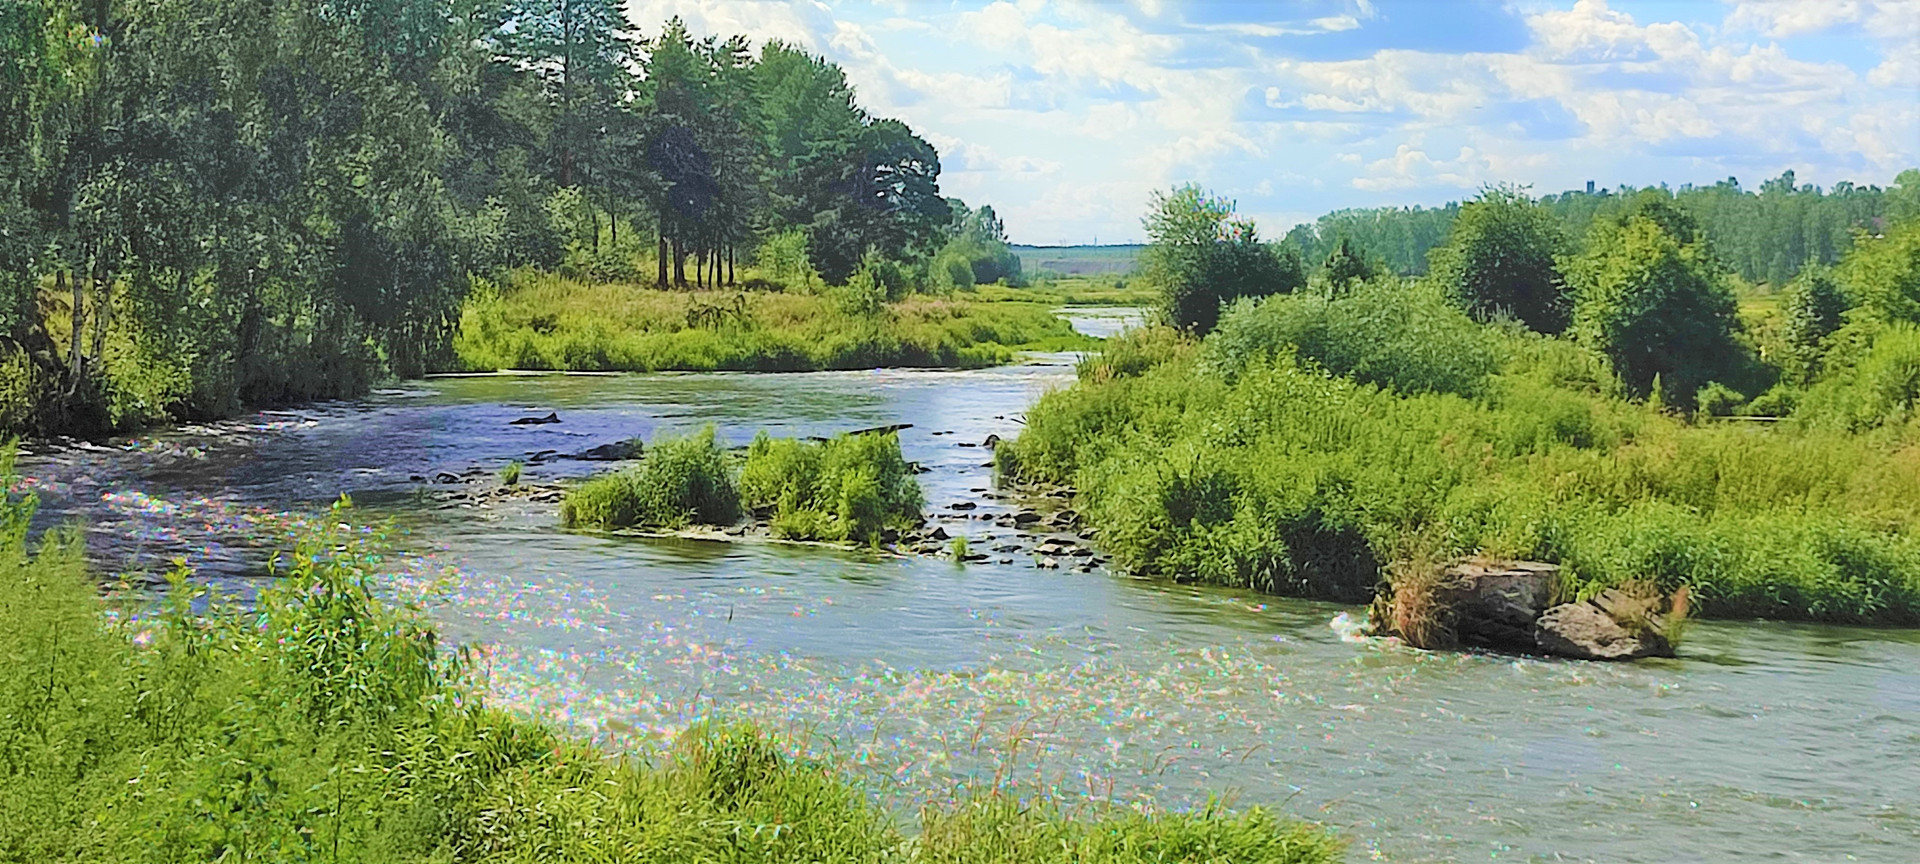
(1078, 260)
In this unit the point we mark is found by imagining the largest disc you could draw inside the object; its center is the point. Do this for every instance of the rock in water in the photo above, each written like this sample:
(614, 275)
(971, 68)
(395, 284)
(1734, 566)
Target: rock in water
(1494, 604)
(535, 421)
(1583, 632)
(618, 451)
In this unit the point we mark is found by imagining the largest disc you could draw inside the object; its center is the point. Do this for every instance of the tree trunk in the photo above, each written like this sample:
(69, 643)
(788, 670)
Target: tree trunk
(729, 263)
(661, 280)
(75, 360)
(679, 264)
(102, 308)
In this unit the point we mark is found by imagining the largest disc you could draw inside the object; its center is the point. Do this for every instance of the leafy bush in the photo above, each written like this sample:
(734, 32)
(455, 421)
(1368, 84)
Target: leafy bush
(1718, 400)
(1881, 389)
(1201, 257)
(1650, 296)
(682, 480)
(1400, 336)
(1500, 260)
(848, 488)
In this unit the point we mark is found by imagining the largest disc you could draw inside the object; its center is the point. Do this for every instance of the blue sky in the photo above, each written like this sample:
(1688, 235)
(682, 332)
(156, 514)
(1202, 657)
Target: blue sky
(1065, 115)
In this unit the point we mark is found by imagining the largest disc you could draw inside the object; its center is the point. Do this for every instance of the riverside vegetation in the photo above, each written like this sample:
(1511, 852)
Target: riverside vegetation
(1321, 434)
(545, 321)
(326, 722)
(208, 206)
(849, 488)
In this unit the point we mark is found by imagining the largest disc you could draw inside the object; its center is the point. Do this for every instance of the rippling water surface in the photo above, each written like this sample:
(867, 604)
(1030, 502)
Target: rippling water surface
(1762, 742)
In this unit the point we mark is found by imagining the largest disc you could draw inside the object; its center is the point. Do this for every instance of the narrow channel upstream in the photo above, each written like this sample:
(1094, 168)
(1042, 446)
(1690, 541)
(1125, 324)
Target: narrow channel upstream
(1763, 741)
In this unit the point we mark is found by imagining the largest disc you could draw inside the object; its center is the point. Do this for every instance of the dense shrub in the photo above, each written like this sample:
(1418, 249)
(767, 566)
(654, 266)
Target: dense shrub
(1500, 259)
(1401, 336)
(1650, 295)
(1200, 257)
(1880, 389)
(848, 488)
(683, 480)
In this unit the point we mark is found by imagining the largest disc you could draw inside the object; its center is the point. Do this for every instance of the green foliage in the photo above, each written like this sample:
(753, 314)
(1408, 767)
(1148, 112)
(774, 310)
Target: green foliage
(958, 548)
(325, 722)
(1764, 235)
(683, 480)
(510, 475)
(1201, 257)
(1403, 337)
(783, 256)
(849, 488)
(546, 322)
(1813, 309)
(1285, 479)
(205, 206)
(1881, 389)
(1000, 828)
(1500, 260)
(1346, 266)
(1884, 273)
(1650, 296)
(1718, 400)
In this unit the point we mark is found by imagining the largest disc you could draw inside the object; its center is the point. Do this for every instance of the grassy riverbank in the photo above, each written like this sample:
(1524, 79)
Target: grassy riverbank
(1307, 443)
(327, 724)
(543, 321)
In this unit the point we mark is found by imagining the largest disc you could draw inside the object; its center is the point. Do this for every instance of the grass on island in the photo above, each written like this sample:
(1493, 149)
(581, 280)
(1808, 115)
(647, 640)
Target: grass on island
(323, 723)
(1308, 443)
(848, 488)
(544, 321)
(845, 489)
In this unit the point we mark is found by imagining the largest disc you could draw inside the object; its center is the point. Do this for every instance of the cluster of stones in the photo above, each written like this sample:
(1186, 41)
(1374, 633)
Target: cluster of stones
(1507, 606)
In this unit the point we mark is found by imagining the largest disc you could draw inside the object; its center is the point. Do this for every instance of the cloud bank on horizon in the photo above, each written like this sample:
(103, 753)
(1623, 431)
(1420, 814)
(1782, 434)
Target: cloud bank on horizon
(1065, 115)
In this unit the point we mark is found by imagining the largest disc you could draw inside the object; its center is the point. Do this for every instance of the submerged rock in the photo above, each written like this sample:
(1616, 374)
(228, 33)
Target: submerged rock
(618, 451)
(535, 421)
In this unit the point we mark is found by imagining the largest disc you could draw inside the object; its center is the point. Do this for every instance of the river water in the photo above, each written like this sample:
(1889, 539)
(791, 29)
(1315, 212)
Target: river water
(1763, 741)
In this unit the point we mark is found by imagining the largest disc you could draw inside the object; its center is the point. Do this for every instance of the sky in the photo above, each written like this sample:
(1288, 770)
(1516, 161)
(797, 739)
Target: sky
(1065, 115)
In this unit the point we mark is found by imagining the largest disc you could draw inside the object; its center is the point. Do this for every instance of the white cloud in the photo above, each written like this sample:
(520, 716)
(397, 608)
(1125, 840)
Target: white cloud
(1064, 115)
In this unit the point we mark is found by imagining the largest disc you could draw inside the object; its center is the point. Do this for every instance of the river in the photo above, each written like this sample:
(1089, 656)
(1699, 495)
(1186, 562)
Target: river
(1763, 741)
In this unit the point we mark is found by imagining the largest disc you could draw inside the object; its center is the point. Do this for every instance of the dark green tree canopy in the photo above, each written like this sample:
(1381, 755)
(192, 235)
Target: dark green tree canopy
(1200, 257)
(1658, 307)
(1501, 259)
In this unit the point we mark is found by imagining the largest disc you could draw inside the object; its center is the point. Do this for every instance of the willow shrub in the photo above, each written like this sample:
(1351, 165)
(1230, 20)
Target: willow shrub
(848, 488)
(1292, 480)
(684, 480)
(324, 723)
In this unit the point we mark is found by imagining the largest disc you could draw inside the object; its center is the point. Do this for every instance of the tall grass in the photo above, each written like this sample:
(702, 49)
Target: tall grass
(851, 487)
(1286, 478)
(324, 723)
(685, 479)
(543, 321)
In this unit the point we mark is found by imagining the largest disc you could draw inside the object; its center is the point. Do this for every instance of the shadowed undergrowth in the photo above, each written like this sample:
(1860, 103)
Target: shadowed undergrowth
(325, 724)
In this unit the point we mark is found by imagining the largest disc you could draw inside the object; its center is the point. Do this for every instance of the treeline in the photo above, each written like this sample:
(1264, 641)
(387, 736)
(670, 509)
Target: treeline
(211, 203)
(1765, 236)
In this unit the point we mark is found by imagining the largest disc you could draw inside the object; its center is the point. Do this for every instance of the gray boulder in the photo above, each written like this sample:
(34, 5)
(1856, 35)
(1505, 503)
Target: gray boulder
(1584, 631)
